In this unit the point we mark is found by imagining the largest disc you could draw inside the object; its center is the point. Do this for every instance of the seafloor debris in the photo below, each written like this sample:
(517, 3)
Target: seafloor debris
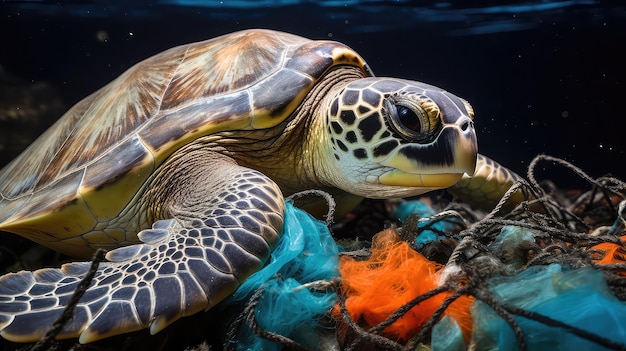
(548, 274)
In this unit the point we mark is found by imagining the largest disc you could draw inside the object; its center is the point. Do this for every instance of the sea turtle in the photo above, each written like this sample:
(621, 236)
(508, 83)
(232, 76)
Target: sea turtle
(180, 166)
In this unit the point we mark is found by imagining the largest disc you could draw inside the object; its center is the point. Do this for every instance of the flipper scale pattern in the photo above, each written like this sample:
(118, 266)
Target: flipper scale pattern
(185, 265)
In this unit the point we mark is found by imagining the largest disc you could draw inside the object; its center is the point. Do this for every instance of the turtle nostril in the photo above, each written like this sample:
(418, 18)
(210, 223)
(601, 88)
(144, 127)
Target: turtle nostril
(465, 126)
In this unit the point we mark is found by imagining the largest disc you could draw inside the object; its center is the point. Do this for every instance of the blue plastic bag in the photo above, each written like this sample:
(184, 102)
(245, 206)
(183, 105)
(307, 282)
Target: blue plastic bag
(306, 252)
(577, 297)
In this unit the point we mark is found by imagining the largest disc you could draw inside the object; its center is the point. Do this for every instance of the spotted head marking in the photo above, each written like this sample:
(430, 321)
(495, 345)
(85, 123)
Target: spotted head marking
(394, 137)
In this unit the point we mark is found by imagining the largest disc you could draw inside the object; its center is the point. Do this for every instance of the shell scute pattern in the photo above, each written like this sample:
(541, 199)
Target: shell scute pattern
(99, 154)
(269, 108)
(176, 127)
(76, 213)
(170, 80)
(133, 163)
(217, 66)
(314, 58)
(112, 114)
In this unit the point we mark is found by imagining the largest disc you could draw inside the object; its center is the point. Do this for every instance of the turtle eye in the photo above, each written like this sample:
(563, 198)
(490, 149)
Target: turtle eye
(409, 120)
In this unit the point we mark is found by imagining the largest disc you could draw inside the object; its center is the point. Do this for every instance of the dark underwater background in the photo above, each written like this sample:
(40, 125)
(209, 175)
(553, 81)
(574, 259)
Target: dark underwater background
(543, 76)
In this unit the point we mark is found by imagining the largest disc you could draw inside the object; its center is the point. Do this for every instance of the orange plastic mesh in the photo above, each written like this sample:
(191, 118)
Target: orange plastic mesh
(613, 253)
(394, 275)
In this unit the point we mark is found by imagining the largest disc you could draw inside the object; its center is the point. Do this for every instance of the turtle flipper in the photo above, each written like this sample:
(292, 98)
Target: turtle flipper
(488, 184)
(183, 265)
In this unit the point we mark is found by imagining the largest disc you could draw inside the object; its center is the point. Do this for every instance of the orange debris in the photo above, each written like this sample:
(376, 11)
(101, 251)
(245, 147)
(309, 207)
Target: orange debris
(394, 275)
(613, 253)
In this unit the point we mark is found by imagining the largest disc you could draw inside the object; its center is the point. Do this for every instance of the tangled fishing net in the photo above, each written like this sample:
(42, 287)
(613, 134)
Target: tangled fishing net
(546, 274)
(550, 273)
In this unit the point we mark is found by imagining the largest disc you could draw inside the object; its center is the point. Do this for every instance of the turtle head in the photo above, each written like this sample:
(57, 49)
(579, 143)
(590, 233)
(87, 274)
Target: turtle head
(396, 138)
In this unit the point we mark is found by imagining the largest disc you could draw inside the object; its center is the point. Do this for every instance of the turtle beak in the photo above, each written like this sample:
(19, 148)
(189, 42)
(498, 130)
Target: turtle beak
(439, 164)
(466, 152)
(459, 146)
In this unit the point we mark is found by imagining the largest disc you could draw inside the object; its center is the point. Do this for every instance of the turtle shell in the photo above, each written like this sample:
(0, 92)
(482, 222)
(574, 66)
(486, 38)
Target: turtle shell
(89, 166)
